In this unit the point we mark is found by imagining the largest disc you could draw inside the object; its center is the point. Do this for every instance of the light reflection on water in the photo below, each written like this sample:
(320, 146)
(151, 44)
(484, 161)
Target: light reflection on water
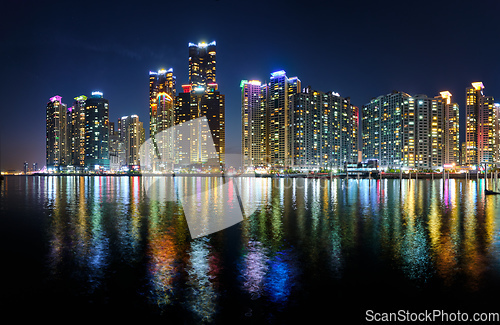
(302, 232)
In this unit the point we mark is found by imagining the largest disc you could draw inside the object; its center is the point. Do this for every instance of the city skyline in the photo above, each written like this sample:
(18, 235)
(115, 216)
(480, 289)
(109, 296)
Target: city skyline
(357, 65)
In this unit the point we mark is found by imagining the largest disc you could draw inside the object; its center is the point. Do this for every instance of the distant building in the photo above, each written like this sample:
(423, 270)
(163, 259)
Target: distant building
(480, 126)
(451, 134)
(56, 135)
(76, 132)
(132, 136)
(324, 130)
(279, 90)
(97, 132)
(161, 100)
(202, 64)
(400, 130)
(382, 125)
(496, 125)
(116, 152)
(254, 135)
(201, 98)
(209, 103)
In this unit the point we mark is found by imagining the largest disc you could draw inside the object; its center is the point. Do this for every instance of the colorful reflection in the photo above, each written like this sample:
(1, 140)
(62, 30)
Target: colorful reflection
(105, 235)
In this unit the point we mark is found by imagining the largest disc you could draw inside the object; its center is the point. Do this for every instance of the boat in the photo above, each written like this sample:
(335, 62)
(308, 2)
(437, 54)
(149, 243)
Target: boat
(489, 192)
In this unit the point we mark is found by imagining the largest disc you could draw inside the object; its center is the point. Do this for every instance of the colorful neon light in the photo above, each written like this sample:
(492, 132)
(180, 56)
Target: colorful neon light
(278, 73)
(478, 85)
(56, 98)
(81, 98)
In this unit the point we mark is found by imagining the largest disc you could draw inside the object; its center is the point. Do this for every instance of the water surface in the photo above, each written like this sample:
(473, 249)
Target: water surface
(101, 247)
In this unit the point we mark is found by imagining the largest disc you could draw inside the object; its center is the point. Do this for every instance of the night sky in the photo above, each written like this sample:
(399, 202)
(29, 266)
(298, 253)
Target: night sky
(361, 49)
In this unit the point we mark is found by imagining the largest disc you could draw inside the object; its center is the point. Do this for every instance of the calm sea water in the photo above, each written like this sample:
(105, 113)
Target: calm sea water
(101, 247)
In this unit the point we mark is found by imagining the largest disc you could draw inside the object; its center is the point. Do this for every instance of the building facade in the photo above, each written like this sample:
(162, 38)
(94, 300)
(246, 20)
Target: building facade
(400, 130)
(97, 132)
(324, 130)
(279, 90)
(254, 142)
(201, 98)
(56, 133)
(451, 130)
(382, 129)
(202, 64)
(480, 126)
(162, 93)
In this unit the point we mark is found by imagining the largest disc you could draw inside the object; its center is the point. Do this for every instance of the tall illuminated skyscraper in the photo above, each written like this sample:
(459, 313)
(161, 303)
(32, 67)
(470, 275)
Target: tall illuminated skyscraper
(254, 127)
(496, 119)
(451, 128)
(97, 132)
(382, 125)
(278, 93)
(324, 130)
(202, 64)
(76, 131)
(56, 135)
(161, 100)
(400, 130)
(201, 98)
(131, 134)
(480, 132)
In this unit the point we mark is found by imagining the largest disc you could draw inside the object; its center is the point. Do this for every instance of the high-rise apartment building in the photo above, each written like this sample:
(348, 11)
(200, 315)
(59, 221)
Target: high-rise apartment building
(97, 132)
(202, 64)
(451, 130)
(131, 134)
(496, 119)
(201, 98)
(400, 130)
(254, 140)
(382, 125)
(56, 135)
(210, 104)
(161, 100)
(78, 136)
(324, 130)
(76, 132)
(279, 90)
(480, 126)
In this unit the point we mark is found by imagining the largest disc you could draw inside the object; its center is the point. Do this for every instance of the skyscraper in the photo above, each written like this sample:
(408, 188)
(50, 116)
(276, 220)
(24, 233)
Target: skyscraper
(400, 130)
(496, 119)
(201, 98)
(97, 132)
(279, 90)
(56, 136)
(208, 103)
(131, 134)
(480, 132)
(382, 125)
(202, 64)
(451, 130)
(76, 127)
(161, 100)
(254, 124)
(324, 130)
